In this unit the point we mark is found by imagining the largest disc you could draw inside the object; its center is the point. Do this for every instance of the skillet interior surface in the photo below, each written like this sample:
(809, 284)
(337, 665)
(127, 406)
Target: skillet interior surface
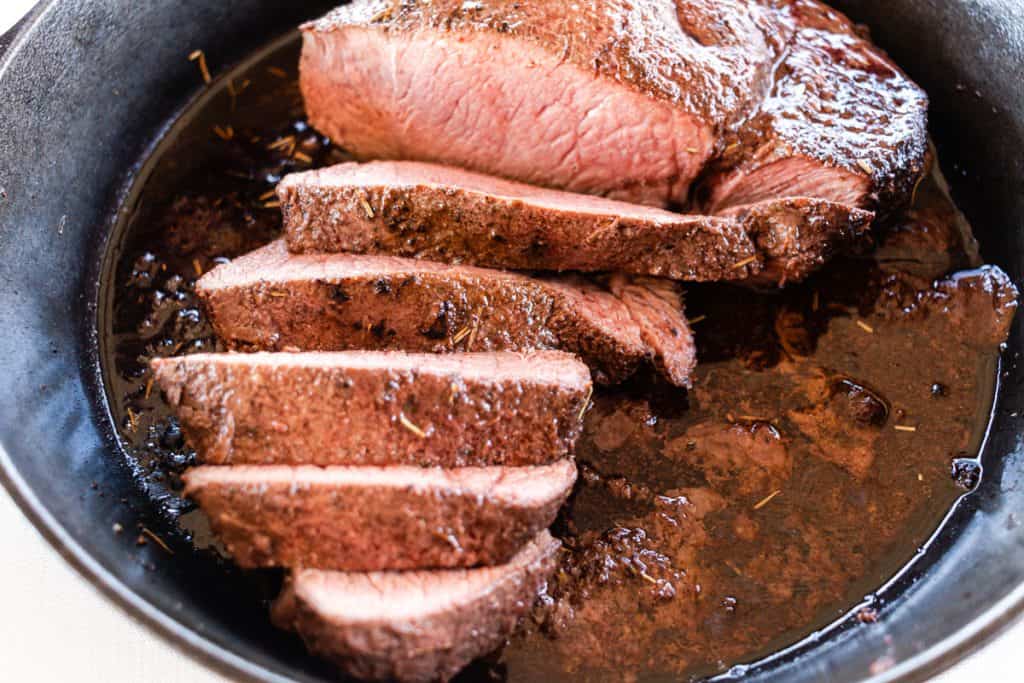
(89, 87)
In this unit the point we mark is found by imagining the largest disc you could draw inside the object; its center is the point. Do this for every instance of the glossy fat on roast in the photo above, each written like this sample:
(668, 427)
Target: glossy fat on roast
(841, 122)
(446, 214)
(378, 518)
(608, 97)
(377, 407)
(272, 300)
(415, 626)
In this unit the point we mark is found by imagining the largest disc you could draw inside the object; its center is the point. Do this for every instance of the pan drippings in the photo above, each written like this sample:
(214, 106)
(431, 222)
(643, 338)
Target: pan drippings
(830, 426)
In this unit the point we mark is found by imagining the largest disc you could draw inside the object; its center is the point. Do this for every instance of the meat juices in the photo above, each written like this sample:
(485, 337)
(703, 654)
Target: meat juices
(377, 408)
(273, 300)
(657, 88)
(446, 214)
(801, 463)
(378, 518)
(413, 626)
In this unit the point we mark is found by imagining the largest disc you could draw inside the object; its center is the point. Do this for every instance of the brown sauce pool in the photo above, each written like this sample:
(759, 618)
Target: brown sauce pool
(831, 426)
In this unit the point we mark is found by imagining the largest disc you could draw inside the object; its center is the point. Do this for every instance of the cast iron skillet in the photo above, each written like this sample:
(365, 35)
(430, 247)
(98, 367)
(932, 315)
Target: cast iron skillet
(87, 86)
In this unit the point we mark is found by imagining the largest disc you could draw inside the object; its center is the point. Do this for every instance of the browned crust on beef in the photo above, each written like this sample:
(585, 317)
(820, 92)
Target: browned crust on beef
(491, 222)
(377, 408)
(371, 518)
(426, 645)
(436, 213)
(839, 104)
(271, 300)
(798, 235)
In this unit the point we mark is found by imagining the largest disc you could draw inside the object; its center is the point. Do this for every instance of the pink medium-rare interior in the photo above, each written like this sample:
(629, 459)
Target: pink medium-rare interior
(514, 485)
(359, 597)
(414, 174)
(794, 176)
(274, 264)
(529, 115)
(556, 367)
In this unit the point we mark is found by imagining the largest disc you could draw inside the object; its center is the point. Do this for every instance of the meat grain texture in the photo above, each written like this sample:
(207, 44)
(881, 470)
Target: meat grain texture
(378, 518)
(413, 626)
(272, 300)
(377, 408)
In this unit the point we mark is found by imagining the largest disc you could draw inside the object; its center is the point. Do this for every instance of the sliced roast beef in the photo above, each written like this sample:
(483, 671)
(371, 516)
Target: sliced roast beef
(446, 214)
(611, 97)
(416, 626)
(842, 122)
(273, 300)
(654, 305)
(624, 99)
(797, 235)
(376, 518)
(377, 408)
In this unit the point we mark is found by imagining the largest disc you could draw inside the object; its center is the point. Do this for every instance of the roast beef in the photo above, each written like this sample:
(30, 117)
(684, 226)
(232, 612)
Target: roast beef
(414, 626)
(842, 122)
(797, 235)
(446, 214)
(654, 306)
(377, 408)
(375, 518)
(610, 97)
(273, 300)
(439, 213)
(620, 98)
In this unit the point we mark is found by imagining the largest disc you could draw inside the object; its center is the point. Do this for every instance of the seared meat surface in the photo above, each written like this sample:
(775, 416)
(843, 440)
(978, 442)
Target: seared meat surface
(415, 625)
(624, 99)
(841, 122)
(377, 408)
(798, 235)
(610, 97)
(378, 518)
(440, 213)
(273, 300)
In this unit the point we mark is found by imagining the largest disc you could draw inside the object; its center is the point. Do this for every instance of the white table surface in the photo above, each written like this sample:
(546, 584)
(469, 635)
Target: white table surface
(57, 627)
